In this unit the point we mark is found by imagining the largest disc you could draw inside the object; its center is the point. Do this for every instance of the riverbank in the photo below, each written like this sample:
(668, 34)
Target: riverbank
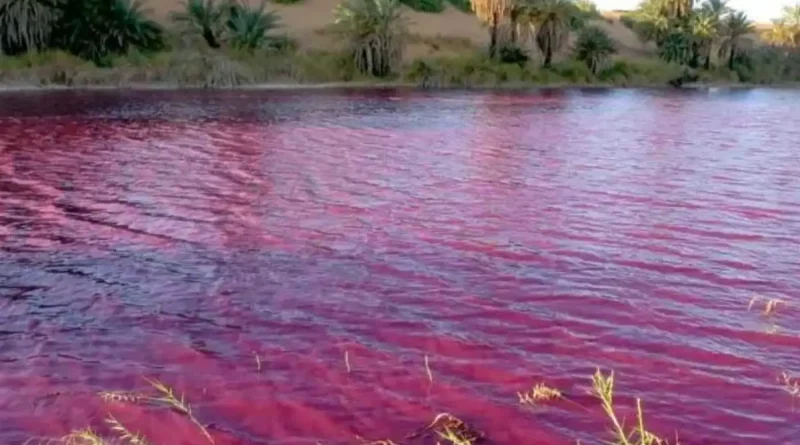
(322, 69)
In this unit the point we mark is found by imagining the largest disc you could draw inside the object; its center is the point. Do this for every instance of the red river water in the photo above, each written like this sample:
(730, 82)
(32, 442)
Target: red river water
(511, 237)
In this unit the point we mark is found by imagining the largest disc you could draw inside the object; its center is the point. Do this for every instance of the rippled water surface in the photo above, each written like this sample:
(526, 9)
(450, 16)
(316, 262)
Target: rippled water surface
(511, 237)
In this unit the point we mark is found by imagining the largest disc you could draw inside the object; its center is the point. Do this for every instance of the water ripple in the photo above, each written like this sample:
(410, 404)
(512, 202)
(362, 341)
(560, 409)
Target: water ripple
(510, 237)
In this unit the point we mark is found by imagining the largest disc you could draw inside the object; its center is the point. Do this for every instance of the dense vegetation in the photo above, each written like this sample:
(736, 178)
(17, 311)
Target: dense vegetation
(695, 35)
(233, 42)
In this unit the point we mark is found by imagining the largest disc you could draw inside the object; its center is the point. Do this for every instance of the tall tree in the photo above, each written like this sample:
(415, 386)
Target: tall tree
(704, 28)
(492, 12)
(594, 47)
(552, 18)
(734, 27)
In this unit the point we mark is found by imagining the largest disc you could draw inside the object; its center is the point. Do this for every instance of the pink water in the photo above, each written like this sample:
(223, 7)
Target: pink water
(511, 237)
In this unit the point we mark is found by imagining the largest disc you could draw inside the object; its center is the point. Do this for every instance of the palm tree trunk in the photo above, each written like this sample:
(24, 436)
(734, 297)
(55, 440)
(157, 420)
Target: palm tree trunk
(493, 35)
(694, 62)
(548, 56)
(707, 63)
(730, 59)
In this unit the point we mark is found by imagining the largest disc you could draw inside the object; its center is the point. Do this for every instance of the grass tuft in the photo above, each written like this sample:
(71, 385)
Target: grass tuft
(124, 434)
(770, 306)
(178, 403)
(83, 437)
(790, 385)
(540, 393)
(453, 430)
(603, 388)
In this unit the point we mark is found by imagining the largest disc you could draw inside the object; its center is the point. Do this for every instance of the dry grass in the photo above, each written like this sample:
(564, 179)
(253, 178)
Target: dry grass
(603, 388)
(790, 385)
(539, 393)
(177, 403)
(451, 429)
(770, 305)
(428, 369)
(124, 434)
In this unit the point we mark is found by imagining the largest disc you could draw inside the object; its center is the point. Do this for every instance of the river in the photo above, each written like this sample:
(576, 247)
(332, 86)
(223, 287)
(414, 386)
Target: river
(318, 266)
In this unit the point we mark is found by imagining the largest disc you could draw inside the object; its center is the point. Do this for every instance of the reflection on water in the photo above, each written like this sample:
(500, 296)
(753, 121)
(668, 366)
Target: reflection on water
(511, 237)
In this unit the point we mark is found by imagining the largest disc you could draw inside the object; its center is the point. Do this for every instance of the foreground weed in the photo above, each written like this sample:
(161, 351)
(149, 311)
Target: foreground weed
(258, 361)
(603, 388)
(124, 434)
(790, 385)
(122, 396)
(83, 437)
(347, 361)
(540, 393)
(770, 307)
(179, 404)
(455, 437)
(428, 369)
(452, 429)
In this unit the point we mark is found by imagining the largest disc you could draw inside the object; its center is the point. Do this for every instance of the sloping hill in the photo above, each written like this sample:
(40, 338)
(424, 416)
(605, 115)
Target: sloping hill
(307, 21)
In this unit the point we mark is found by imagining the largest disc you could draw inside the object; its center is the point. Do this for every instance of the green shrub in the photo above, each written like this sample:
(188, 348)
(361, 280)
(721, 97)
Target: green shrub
(628, 21)
(425, 5)
(594, 47)
(573, 71)
(97, 29)
(42, 68)
(513, 54)
(641, 72)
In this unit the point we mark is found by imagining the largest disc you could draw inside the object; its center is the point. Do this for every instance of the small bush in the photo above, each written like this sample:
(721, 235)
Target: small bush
(425, 5)
(513, 54)
(628, 21)
(641, 72)
(573, 71)
(97, 29)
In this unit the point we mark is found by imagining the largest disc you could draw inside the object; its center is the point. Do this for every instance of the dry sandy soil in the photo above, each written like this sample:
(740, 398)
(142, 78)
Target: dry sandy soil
(435, 34)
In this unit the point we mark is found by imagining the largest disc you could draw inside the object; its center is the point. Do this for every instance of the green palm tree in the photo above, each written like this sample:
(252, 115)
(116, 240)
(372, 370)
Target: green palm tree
(375, 31)
(705, 28)
(26, 24)
(552, 19)
(734, 27)
(651, 23)
(202, 17)
(715, 8)
(782, 34)
(249, 27)
(594, 47)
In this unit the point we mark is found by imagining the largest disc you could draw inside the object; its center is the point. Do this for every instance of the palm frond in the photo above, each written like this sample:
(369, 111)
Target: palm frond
(26, 24)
